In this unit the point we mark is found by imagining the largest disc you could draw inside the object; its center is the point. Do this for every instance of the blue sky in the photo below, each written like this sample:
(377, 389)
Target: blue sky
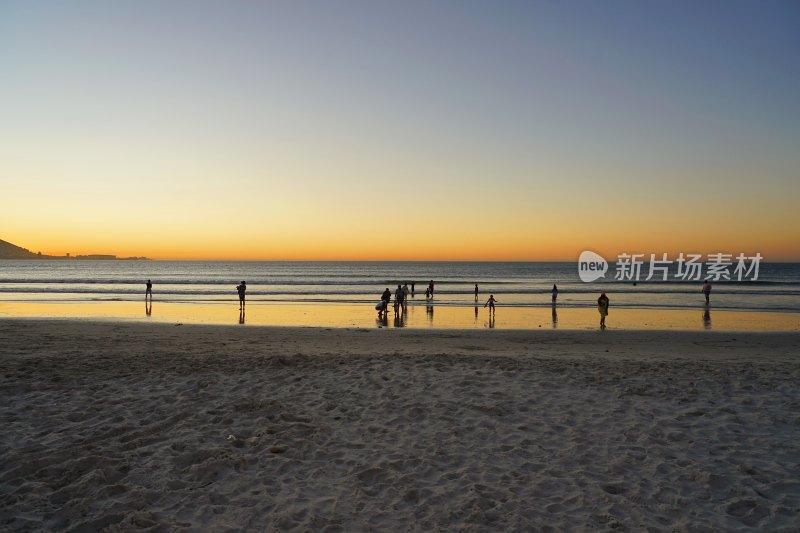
(481, 104)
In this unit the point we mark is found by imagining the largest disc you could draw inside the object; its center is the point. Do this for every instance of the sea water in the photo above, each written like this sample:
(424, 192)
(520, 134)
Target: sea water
(524, 286)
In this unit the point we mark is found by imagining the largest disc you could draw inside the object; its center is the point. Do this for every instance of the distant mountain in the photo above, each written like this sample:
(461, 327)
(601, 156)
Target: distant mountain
(12, 251)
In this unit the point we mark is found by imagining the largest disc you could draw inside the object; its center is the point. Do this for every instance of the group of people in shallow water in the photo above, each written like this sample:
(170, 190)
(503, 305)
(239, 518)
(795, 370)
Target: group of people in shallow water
(402, 292)
(401, 299)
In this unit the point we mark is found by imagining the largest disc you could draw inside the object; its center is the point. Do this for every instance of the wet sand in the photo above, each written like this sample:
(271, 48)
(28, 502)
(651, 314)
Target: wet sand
(417, 315)
(157, 427)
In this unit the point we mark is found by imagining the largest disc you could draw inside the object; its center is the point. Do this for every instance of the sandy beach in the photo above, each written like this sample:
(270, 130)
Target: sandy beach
(156, 427)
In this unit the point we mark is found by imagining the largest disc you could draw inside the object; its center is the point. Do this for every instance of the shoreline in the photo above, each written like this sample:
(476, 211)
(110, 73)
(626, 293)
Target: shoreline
(360, 338)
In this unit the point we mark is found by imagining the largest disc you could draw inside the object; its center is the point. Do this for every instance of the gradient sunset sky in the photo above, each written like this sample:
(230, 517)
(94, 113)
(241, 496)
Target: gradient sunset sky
(400, 130)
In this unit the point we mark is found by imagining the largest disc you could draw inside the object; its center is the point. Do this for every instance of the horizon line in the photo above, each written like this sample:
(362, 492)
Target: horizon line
(765, 260)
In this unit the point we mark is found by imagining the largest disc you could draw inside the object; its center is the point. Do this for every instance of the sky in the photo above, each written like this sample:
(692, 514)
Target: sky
(400, 130)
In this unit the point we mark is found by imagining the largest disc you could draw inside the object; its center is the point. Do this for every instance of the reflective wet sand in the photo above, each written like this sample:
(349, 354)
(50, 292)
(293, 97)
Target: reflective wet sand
(415, 316)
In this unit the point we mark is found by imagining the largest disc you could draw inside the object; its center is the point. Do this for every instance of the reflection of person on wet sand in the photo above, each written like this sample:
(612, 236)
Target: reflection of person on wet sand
(241, 315)
(602, 308)
(491, 320)
(707, 318)
(555, 315)
(490, 302)
(148, 307)
(241, 288)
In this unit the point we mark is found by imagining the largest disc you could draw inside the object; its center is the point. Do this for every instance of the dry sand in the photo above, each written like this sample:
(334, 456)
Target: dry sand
(206, 428)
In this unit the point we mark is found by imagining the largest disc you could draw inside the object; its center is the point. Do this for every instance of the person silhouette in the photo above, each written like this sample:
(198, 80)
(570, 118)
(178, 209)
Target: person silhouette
(602, 308)
(554, 293)
(241, 289)
(490, 302)
(476, 292)
(148, 290)
(399, 299)
(707, 290)
(383, 305)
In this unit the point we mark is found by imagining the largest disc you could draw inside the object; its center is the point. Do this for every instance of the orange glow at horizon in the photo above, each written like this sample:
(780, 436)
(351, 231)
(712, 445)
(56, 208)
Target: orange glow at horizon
(342, 228)
(440, 248)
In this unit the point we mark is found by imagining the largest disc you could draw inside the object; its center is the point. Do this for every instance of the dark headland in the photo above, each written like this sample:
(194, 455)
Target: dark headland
(12, 251)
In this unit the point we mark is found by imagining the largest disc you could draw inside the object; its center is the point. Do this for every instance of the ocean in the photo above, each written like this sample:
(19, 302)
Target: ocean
(514, 284)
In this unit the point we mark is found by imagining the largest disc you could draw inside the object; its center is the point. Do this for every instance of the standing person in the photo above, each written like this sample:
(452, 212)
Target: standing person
(405, 293)
(399, 298)
(602, 308)
(412, 288)
(427, 293)
(241, 288)
(387, 295)
(383, 305)
(555, 293)
(476, 292)
(430, 287)
(707, 290)
(490, 302)
(148, 290)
